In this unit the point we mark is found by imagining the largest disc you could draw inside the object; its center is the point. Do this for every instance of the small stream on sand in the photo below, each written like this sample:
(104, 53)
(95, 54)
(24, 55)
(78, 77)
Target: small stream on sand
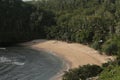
(22, 63)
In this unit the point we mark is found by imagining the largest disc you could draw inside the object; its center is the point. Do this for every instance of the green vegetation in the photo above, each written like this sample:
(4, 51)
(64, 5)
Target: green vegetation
(93, 22)
(21, 21)
(111, 73)
(83, 72)
(82, 21)
(112, 46)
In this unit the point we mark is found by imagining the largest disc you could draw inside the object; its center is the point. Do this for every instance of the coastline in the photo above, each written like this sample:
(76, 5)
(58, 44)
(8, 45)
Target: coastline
(72, 54)
(65, 67)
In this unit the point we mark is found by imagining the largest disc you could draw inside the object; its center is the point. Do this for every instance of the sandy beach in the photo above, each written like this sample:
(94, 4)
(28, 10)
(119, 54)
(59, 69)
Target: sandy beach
(73, 53)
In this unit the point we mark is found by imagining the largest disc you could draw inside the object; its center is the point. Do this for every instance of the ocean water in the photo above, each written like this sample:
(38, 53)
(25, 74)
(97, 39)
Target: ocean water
(21, 63)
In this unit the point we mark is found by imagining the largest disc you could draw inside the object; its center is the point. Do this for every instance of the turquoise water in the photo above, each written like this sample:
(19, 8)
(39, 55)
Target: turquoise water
(21, 63)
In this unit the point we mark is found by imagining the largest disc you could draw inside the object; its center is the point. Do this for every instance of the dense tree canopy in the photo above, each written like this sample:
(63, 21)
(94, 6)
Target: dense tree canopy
(83, 21)
(21, 21)
(14, 20)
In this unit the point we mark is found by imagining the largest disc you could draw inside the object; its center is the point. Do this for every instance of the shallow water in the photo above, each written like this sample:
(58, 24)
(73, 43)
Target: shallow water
(21, 63)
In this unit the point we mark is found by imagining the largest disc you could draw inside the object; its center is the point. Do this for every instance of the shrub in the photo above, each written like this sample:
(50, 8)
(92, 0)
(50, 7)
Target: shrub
(96, 45)
(72, 74)
(83, 72)
(110, 47)
(110, 73)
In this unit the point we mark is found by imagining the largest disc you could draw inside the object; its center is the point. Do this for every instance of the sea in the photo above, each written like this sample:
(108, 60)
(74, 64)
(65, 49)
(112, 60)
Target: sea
(23, 63)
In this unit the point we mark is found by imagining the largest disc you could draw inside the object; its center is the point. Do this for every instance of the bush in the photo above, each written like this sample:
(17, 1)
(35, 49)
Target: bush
(96, 45)
(110, 73)
(72, 74)
(83, 72)
(110, 47)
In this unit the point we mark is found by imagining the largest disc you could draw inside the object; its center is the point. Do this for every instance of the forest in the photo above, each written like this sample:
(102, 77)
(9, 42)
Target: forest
(92, 22)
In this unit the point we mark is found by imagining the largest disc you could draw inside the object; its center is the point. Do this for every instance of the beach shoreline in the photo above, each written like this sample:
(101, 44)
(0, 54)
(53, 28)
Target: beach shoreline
(65, 67)
(72, 54)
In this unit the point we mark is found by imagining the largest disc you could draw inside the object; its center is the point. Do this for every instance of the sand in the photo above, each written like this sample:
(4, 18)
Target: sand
(74, 54)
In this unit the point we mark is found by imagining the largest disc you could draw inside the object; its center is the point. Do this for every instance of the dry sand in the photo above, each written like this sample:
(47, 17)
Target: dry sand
(75, 54)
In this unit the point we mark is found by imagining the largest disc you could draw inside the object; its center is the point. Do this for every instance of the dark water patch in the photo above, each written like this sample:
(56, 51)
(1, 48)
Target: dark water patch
(21, 63)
